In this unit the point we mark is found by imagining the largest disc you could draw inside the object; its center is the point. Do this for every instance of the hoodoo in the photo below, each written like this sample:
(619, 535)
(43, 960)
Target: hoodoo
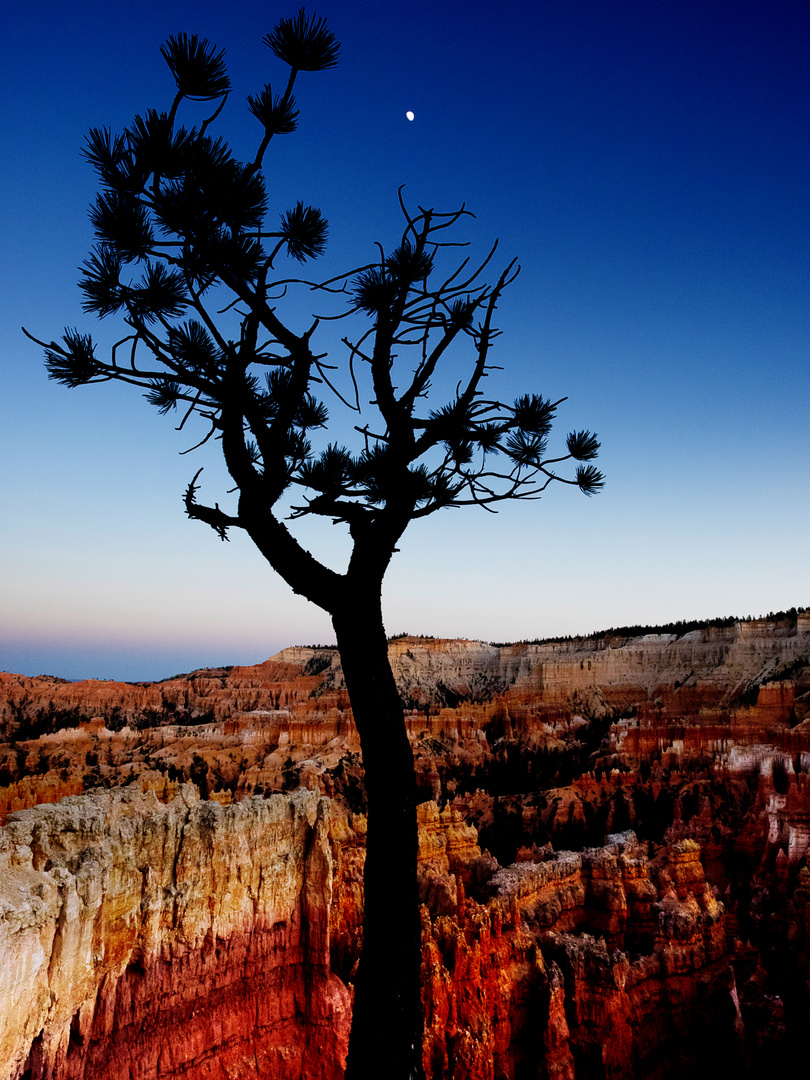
(613, 845)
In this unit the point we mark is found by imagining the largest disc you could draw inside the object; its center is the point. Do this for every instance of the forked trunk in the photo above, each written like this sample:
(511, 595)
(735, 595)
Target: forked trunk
(386, 1035)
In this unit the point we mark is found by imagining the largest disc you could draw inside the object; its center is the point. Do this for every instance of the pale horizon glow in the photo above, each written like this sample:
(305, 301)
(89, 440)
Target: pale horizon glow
(647, 164)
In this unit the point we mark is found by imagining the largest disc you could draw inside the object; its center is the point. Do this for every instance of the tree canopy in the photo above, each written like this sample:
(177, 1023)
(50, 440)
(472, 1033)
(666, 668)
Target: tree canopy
(182, 232)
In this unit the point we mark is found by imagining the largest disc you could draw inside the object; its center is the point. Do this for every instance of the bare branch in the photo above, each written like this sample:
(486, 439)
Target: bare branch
(213, 516)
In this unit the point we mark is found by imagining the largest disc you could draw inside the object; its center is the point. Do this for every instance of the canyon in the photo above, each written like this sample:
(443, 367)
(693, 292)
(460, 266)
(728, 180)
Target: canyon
(613, 838)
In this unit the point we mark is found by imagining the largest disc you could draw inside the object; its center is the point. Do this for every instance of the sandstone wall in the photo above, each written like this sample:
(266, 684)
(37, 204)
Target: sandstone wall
(157, 941)
(703, 668)
(146, 940)
(149, 934)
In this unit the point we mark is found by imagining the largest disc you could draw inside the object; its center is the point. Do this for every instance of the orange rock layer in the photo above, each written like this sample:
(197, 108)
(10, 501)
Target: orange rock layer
(147, 934)
(193, 940)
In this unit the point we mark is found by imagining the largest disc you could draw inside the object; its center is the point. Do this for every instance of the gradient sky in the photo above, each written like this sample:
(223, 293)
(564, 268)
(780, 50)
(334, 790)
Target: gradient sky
(647, 162)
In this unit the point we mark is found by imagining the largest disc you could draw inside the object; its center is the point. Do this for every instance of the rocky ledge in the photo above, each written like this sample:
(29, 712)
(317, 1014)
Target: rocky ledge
(188, 939)
(204, 920)
(150, 940)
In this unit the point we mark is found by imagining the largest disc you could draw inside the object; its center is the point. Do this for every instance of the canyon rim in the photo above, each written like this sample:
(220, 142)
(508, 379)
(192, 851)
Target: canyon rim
(613, 838)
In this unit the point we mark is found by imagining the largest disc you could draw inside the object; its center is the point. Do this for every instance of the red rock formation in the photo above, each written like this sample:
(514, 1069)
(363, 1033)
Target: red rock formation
(164, 941)
(599, 960)
(522, 981)
(192, 940)
(706, 671)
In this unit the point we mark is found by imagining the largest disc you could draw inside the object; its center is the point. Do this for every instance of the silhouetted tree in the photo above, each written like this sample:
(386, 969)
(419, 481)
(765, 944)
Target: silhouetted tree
(182, 234)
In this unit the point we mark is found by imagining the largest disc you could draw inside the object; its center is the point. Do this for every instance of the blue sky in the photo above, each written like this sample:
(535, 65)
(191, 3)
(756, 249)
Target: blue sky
(647, 162)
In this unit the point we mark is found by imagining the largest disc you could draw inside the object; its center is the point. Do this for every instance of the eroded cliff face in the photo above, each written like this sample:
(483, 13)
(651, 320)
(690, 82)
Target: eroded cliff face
(240, 731)
(544, 948)
(706, 670)
(194, 940)
(146, 940)
(599, 963)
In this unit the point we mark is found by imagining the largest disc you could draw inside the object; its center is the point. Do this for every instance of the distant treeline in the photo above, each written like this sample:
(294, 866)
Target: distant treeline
(391, 637)
(679, 628)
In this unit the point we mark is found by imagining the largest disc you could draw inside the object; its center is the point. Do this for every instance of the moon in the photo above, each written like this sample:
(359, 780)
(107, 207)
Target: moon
(409, 114)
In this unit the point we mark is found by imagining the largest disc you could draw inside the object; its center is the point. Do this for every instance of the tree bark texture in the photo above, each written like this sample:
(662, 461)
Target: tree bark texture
(386, 1034)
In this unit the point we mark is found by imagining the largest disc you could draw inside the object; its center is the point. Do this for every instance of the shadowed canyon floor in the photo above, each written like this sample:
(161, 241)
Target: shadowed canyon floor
(613, 861)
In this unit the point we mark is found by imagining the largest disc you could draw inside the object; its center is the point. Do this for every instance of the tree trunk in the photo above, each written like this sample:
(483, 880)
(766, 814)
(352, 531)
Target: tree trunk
(386, 1035)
